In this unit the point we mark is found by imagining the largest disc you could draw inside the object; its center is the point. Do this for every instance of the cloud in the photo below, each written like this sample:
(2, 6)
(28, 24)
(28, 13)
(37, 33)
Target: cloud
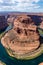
(9, 1)
(36, 1)
(1, 1)
(19, 1)
(20, 5)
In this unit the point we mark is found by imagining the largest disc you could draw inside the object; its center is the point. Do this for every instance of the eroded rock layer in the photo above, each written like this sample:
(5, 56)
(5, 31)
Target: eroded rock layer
(23, 38)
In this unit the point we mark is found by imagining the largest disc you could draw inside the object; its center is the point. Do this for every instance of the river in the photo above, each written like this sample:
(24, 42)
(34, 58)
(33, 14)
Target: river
(4, 57)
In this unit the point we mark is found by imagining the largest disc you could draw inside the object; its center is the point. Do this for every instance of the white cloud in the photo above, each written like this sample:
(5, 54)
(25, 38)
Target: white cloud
(26, 0)
(1, 1)
(36, 7)
(36, 1)
(8, 1)
(19, 1)
(26, 8)
(22, 5)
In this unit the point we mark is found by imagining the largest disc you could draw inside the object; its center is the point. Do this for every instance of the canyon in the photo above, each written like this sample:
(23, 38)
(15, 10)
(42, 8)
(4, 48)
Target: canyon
(24, 37)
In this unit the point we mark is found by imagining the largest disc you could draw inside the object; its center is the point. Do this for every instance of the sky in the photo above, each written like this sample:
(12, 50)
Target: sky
(21, 5)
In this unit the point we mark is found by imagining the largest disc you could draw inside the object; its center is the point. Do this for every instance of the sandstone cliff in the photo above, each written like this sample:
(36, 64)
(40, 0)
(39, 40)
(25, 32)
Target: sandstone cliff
(23, 38)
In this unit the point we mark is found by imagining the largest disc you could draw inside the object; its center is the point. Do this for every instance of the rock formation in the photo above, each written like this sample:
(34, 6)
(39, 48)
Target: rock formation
(11, 18)
(23, 38)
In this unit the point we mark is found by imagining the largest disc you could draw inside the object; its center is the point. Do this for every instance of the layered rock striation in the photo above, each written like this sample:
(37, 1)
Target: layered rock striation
(23, 38)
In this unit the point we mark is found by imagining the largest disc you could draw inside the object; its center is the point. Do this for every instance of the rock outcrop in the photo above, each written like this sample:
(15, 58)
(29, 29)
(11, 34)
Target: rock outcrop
(23, 38)
(11, 18)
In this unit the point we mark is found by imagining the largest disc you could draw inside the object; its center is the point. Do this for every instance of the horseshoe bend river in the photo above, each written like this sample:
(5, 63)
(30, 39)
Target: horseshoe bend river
(4, 57)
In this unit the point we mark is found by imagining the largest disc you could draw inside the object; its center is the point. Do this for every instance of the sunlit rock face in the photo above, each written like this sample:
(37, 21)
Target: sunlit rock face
(22, 21)
(41, 63)
(3, 23)
(23, 38)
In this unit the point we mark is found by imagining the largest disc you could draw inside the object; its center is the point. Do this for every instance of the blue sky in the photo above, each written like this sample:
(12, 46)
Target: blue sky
(21, 5)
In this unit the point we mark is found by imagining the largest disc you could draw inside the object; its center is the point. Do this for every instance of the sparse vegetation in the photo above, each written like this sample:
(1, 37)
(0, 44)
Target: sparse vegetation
(40, 32)
(1, 34)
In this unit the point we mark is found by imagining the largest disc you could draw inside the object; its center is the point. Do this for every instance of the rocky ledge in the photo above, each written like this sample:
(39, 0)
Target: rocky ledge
(23, 39)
